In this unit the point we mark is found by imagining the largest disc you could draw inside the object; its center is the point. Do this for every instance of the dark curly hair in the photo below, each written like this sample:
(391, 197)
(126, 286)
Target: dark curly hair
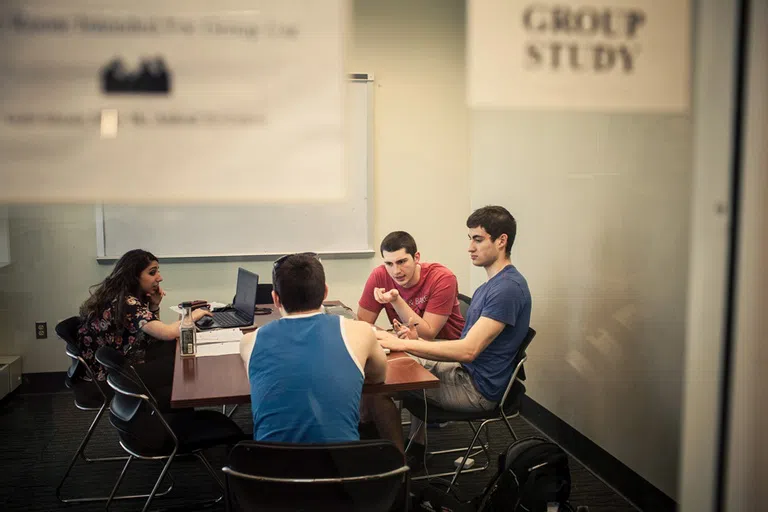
(120, 283)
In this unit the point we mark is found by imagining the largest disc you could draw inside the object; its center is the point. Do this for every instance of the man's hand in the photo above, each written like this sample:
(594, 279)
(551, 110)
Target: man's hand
(385, 297)
(387, 340)
(155, 298)
(406, 331)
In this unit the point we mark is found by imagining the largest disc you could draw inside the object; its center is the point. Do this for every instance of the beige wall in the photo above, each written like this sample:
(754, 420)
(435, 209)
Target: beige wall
(416, 52)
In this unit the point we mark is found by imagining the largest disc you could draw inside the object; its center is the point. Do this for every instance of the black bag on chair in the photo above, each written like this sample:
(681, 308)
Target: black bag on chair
(532, 473)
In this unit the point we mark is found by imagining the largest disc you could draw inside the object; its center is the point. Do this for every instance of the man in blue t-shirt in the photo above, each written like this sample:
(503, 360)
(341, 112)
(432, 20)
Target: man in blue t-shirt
(474, 371)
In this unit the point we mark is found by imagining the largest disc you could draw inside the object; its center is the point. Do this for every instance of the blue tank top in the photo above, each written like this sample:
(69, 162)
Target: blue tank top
(305, 382)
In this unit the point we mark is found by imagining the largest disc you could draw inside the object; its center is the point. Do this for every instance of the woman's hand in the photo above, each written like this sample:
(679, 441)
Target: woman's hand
(200, 313)
(155, 298)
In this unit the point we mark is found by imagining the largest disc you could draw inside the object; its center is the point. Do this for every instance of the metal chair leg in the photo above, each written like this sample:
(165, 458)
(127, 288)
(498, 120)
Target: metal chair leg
(482, 447)
(210, 468)
(117, 484)
(79, 452)
(509, 426)
(159, 481)
(410, 440)
(466, 455)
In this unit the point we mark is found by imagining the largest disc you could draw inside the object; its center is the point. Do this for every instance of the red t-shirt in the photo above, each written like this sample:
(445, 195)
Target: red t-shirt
(436, 292)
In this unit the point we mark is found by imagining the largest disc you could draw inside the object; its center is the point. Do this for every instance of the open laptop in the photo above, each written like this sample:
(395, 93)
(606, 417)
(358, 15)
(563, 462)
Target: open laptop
(242, 312)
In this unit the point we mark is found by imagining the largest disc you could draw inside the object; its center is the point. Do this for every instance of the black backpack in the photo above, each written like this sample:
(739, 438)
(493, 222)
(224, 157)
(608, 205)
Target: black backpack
(532, 473)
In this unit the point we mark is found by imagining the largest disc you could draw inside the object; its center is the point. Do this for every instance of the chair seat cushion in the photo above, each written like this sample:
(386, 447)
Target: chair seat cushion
(439, 415)
(146, 436)
(198, 430)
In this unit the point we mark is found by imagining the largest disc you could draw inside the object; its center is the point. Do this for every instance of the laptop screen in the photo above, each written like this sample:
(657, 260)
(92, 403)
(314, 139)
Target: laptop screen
(245, 296)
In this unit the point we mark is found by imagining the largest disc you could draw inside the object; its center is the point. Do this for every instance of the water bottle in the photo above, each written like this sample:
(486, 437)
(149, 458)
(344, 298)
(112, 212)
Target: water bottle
(187, 331)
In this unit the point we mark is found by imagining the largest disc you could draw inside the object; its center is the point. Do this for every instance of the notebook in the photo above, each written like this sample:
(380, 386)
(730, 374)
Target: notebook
(242, 311)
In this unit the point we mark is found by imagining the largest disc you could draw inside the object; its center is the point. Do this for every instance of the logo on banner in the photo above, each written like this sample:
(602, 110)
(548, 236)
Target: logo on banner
(152, 77)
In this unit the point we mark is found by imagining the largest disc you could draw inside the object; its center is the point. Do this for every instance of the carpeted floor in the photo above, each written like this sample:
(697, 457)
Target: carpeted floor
(40, 433)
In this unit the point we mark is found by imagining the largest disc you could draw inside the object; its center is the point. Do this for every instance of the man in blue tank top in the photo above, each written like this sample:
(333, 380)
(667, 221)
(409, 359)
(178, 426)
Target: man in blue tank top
(307, 369)
(474, 371)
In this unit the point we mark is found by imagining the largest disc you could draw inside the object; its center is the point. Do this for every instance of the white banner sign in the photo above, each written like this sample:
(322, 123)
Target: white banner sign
(619, 55)
(179, 100)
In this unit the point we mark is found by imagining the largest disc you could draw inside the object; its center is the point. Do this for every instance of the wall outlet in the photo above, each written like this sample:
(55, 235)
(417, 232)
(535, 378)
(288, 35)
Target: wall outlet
(41, 330)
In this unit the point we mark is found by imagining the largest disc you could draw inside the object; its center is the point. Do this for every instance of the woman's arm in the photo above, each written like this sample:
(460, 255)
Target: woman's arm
(163, 331)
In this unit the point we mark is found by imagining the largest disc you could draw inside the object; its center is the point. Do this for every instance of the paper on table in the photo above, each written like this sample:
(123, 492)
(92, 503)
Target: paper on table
(218, 349)
(219, 336)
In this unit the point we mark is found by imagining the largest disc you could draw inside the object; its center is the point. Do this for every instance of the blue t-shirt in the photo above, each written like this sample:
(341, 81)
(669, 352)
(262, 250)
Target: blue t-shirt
(305, 381)
(505, 298)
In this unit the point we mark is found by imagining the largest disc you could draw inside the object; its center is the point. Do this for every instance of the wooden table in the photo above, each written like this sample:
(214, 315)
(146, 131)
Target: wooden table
(221, 380)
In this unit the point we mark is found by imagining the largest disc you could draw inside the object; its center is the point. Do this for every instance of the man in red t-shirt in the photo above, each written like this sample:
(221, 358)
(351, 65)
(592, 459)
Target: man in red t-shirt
(424, 294)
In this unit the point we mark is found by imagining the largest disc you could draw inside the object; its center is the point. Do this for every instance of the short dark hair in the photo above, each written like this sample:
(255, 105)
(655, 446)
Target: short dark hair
(497, 221)
(397, 240)
(299, 281)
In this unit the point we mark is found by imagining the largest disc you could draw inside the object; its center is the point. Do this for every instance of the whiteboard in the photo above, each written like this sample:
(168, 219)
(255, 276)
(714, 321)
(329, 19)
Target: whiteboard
(260, 230)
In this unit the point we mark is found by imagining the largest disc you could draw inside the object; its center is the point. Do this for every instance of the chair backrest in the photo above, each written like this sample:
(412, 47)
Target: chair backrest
(111, 359)
(517, 365)
(357, 476)
(133, 412)
(67, 331)
(116, 363)
(522, 354)
(464, 303)
(264, 293)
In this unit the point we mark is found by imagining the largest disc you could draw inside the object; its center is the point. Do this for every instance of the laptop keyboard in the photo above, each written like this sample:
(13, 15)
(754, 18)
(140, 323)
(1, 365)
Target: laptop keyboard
(227, 320)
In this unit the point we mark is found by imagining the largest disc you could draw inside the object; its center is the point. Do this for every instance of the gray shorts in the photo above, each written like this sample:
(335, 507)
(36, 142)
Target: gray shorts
(456, 391)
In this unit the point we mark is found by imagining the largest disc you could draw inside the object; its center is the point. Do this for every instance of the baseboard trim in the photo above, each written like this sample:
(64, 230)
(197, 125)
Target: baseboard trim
(43, 382)
(643, 494)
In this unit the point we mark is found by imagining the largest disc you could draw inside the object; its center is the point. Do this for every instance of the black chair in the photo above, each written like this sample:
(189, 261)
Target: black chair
(147, 434)
(368, 476)
(508, 407)
(264, 293)
(89, 396)
(464, 302)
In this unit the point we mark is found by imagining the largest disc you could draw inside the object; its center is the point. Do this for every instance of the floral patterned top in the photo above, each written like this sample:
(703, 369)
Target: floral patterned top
(128, 338)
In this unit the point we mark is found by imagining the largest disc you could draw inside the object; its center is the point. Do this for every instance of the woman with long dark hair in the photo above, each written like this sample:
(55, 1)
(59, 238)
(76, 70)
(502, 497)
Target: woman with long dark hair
(123, 312)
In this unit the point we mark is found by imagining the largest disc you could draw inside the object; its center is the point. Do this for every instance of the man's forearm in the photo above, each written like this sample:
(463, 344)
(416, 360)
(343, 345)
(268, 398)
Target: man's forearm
(404, 311)
(449, 350)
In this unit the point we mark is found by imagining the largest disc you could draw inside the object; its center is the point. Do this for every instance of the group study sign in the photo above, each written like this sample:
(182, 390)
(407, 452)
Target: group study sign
(582, 38)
